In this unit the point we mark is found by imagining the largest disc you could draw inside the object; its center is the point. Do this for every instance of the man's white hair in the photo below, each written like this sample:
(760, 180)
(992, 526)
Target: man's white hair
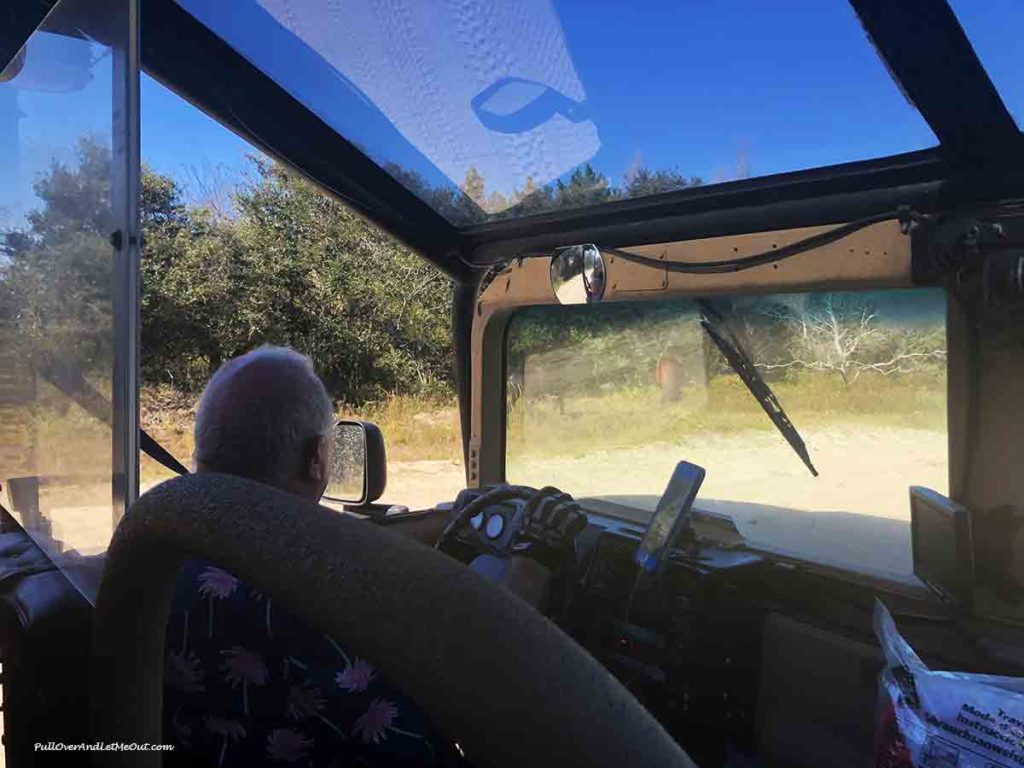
(258, 413)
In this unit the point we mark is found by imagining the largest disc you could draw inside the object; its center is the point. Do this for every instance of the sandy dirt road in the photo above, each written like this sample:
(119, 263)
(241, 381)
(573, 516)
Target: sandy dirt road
(855, 514)
(862, 470)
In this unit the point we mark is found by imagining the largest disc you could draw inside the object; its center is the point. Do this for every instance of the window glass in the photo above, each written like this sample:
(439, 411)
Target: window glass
(994, 29)
(604, 400)
(240, 252)
(58, 209)
(496, 109)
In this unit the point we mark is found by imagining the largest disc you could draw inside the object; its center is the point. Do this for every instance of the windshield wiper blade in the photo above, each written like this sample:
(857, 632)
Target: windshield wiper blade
(715, 327)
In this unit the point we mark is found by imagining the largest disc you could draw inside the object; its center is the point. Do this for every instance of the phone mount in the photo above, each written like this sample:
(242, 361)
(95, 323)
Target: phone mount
(669, 527)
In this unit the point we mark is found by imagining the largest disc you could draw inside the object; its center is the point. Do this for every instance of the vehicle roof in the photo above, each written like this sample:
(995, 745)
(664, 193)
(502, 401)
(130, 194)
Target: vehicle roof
(437, 120)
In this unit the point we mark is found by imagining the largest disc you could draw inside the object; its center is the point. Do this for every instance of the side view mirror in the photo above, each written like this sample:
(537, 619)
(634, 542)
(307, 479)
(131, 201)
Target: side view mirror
(359, 468)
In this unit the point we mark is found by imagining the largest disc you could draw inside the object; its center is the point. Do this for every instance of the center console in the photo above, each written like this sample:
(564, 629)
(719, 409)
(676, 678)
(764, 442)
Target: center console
(686, 643)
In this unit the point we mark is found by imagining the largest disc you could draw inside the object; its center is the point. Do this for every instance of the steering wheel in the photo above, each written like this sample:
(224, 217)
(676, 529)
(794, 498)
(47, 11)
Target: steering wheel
(481, 663)
(505, 520)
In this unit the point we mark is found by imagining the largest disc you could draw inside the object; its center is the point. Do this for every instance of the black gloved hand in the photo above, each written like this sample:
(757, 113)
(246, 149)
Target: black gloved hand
(551, 522)
(472, 501)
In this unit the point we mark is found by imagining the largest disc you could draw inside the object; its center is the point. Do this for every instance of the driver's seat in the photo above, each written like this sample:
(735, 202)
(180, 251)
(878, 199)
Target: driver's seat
(245, 683)
(484, 664)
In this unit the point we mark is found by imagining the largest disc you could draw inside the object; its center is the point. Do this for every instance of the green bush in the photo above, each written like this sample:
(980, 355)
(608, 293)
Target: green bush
(293, 267)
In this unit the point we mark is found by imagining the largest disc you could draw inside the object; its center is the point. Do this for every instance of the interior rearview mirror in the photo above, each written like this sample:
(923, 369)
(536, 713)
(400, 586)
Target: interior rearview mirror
(578, 274)
(359, 465)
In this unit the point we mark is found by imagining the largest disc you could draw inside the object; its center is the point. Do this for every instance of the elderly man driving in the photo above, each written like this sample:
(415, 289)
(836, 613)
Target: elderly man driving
(266, 416)
(246, 684)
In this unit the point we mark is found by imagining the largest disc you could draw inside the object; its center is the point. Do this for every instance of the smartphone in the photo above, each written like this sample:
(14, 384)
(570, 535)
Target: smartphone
(670, 516)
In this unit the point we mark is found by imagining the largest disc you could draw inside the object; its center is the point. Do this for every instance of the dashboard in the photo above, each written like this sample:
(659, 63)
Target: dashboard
(498, 523)
(685, 641)
(742, 655)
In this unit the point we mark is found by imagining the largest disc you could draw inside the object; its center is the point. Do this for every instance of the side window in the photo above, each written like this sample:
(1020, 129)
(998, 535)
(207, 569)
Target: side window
(604, 400)
(240, 252)
(65, 154)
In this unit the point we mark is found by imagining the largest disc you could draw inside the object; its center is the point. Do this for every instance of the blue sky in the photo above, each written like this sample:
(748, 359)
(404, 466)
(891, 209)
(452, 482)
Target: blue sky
(772, 86)
(709, 89)
(180, 141)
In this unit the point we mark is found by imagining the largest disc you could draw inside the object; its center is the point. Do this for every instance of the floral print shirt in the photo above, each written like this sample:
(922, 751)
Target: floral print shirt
(246, 684)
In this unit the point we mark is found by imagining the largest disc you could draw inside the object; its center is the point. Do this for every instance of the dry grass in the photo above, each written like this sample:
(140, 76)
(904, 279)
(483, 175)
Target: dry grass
(625, 418)
(414, 428)
(428, 429)
(168, 416)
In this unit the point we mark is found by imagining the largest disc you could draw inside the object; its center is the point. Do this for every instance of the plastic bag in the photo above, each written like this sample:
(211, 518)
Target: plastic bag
(933, 719)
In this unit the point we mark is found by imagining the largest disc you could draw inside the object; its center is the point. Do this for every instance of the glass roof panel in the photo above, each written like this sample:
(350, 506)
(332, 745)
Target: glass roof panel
(492, 109)
(994, 28)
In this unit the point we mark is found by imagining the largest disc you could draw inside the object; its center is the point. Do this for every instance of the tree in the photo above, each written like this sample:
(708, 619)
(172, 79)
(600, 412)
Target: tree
(640, 181)
(844, 334)
(496, 202)
(586, 186)
(529, 188)
(55, 301)
(447, 199)
(289, 265)
(473, 187)
(212, 187)
(469, 203)
(293, 267)
(530, 199)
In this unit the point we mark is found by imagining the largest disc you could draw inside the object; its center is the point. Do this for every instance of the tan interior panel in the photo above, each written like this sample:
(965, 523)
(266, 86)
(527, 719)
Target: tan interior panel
(877, 256)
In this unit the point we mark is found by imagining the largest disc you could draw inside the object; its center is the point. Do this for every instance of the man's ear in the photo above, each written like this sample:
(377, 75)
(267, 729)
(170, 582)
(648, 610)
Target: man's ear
(318, 459)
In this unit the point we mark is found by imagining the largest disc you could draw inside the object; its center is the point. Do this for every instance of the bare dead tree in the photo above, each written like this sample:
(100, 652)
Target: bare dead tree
(843, 334)
(742, 160)
(212, 186)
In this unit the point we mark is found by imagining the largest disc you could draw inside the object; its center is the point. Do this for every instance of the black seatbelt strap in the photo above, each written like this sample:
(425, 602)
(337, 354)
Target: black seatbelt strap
(157, 452)
(70, 381)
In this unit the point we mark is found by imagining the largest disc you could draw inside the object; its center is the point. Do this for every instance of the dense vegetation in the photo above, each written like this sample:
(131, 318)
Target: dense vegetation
(290, 265)
(846, 335)
(285, 265)
(472, 203)
(55, 273)
(294, 267)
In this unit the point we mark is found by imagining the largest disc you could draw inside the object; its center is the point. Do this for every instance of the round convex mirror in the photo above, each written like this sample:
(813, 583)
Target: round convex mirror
(578, 274)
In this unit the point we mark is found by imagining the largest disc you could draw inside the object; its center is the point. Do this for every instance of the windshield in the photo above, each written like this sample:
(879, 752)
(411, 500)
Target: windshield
(604, 400)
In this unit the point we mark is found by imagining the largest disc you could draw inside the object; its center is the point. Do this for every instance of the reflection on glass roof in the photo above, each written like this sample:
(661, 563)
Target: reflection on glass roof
(497, 109)
(994, 29)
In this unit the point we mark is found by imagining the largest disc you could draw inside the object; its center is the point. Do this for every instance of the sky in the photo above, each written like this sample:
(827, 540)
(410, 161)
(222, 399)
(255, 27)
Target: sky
(181, 141)
(702, 89)
(715, 90)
